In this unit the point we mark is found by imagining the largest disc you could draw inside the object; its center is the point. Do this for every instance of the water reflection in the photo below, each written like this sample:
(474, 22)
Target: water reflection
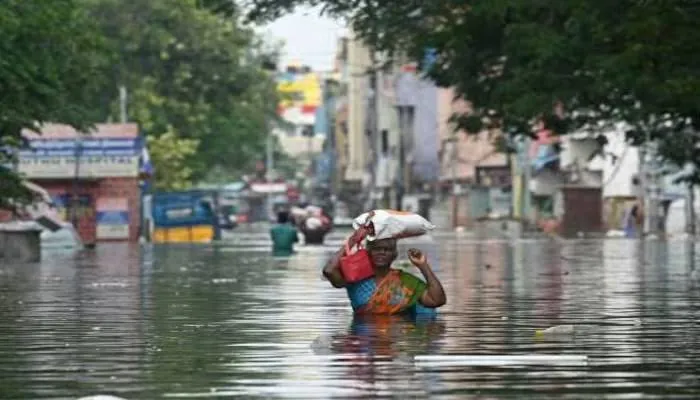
(378, 352)
(230, 321)
(384, 336)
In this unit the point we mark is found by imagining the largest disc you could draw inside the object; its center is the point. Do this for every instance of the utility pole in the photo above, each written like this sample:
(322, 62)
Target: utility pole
(75, 197)
(652, 220)
(309, 133)
(269, 165)
(648, 203)
(690, 170)
(373, 131)
(123, 104)
(690, 211)
(406, 118)
(329, 101)
(455, 186)
(407, 139)
(400, 173)
(525, 204)
(643, 182)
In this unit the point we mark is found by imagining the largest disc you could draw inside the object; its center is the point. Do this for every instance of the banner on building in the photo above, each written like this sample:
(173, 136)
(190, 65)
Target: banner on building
(96, 158)
(66, 204)
(112, 218)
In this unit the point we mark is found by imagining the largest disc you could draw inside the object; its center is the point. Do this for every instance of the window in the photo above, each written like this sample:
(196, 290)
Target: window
(307, 131)
(544, 205)
(385, 141)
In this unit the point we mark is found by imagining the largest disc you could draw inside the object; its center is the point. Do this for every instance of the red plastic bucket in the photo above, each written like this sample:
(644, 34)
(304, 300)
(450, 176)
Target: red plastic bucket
(357, 266)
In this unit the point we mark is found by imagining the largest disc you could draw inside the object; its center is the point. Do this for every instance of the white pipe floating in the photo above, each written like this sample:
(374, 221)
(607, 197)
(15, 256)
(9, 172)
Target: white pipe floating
(433, 361)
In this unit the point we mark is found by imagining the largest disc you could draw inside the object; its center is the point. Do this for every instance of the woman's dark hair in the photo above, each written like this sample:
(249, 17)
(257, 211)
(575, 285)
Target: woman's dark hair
(282, 217)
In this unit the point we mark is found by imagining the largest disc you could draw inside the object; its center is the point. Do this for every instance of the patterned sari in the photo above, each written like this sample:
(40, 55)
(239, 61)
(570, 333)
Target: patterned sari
(397, 293)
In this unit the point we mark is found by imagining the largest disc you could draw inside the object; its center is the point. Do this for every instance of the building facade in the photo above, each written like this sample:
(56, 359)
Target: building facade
(472, 170)
(357, 67)
(300, 90)
(93, 179)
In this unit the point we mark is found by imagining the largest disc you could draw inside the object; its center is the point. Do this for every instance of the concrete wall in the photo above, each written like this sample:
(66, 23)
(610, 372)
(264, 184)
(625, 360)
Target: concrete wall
(358, 85)
(298, 146)
(576, 156)
(19, 244)
(472, 150)
(546, 183)
(388, 162)
(422, 95)
(620, 166)
(576, 166)
(109, 188)
(341, 140)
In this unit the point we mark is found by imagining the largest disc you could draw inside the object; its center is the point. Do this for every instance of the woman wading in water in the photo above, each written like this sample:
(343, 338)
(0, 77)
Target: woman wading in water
(389, 291)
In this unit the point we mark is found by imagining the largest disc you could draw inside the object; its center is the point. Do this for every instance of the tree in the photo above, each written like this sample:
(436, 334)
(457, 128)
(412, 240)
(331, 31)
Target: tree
(169, 154)
(48, 73)
(603, 61)
(285, 167)
(191, 72)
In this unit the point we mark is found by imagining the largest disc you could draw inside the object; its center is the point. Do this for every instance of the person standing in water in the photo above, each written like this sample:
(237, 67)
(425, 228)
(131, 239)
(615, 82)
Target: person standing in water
(283, 235)
(633, 221)
(315, 228)
(389, 291)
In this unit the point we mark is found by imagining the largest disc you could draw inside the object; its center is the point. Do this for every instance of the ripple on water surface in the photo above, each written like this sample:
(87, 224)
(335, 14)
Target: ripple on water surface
(228, 320)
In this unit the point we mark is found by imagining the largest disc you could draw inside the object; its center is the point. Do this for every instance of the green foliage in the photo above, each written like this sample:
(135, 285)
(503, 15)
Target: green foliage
(287, 167)
(49, 55)
(190, 71)
(12, 193)
(170, 154)
(603, 61)
(222, 7)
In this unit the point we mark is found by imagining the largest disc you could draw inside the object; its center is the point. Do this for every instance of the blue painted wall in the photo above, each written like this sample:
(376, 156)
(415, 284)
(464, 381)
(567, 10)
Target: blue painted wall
(422, 94)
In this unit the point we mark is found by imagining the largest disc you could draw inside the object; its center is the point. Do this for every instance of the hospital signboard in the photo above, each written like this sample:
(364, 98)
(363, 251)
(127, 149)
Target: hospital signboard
(97, 158)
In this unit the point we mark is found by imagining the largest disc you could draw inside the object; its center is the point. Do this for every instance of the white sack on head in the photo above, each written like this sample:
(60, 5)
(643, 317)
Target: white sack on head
(313, 223)
(390, 224)
(314, 210)
(298, 212)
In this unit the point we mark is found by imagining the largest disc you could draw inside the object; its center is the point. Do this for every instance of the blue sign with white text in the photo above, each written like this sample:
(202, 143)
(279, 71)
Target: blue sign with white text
(88, 147)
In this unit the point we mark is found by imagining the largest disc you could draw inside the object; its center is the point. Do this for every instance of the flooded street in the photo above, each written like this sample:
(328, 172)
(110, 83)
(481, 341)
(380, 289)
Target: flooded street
(228, 320)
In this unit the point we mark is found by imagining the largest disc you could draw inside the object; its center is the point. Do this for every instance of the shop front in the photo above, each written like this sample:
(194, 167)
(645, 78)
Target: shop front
(93, 179)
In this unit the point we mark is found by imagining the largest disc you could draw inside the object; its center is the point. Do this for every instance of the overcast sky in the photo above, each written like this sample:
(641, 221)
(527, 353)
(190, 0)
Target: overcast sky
(310, 39)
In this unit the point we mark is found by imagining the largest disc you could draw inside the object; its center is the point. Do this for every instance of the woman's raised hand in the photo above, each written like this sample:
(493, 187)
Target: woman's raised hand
(417, 258)
(357, 237)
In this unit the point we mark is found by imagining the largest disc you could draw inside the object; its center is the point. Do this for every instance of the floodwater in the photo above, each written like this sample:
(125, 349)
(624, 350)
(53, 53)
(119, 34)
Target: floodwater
(229, 321)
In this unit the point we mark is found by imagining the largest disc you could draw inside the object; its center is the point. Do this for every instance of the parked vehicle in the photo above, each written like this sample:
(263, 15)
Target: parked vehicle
(188, 216)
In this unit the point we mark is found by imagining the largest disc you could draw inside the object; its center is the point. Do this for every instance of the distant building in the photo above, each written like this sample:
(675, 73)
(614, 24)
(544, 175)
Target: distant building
(351, 143)
(472, 170)
(301, 93)
(358, 62)
(101, 193)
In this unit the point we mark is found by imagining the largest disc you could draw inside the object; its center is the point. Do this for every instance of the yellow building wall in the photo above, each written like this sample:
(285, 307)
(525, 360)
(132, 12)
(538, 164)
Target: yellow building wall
(303, 90)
